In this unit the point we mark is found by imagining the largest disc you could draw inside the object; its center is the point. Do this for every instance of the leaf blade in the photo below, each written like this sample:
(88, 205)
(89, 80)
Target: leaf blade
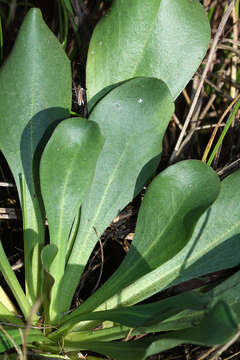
(68, 164)
(142, 40)
(33, 99)
(132, 118)
(217, 237)
(220, 317)
(173, 203)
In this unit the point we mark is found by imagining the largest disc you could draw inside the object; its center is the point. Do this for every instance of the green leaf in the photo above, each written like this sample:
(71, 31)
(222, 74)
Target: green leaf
(171, 207)
(14, 333)
(36, 93)
(220, 318)
(133, 118)
(141, 315)
(68, 164)
(5, 300)
(105, 334)
(138, 39)
(227, 291)
(213, 247)
(13, 283)
(48, 254)
(9, 317)
(1, 40)
(218, 327)
(96, 98)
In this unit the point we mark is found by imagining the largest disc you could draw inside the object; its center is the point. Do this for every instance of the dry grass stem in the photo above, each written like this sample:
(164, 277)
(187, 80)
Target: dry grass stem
(204, 158)
(225, 346)
(206, 69)
(207, 353)
(16, 347)
(235, 50)
(6, 184)
(8, 213)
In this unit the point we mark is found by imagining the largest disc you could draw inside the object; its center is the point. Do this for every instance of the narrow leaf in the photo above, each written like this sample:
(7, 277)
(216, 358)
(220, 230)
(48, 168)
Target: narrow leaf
(220, 318)
(6, 301)
(14, 333)
(141, 315)
(218, 327)
(13, 283)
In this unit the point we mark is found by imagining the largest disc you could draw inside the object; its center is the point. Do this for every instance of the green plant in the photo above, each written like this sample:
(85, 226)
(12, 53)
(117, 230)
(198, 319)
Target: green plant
(80, 173)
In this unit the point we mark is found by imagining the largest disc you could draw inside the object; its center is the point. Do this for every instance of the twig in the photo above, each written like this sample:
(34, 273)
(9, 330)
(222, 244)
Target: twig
(17, 348)
(33, 311)
(6, 184)
(177, 121)
(208, 352)
(210, 126)
(234, 49)
(218, 89)
(17, 266)
(220, 84)
(198, 92)
(8, 213)
(225, 346)
(229, 168)
(232, 356)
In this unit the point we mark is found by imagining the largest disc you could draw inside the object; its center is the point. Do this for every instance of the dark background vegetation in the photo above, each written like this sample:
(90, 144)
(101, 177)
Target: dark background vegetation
(220, 88)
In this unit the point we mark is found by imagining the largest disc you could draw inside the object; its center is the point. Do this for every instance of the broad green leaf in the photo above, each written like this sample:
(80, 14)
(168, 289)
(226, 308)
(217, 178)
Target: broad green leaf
(133, 118)
(13, 283)
(14, 333)
(220, 318)
(96, 98)
(173, 203)
(68, 164)
(36, 93)
(163, 39)
(213, 246)
(142, 315)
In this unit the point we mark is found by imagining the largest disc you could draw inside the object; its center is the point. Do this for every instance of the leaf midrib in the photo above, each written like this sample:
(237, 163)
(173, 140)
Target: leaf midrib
(98, 210)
